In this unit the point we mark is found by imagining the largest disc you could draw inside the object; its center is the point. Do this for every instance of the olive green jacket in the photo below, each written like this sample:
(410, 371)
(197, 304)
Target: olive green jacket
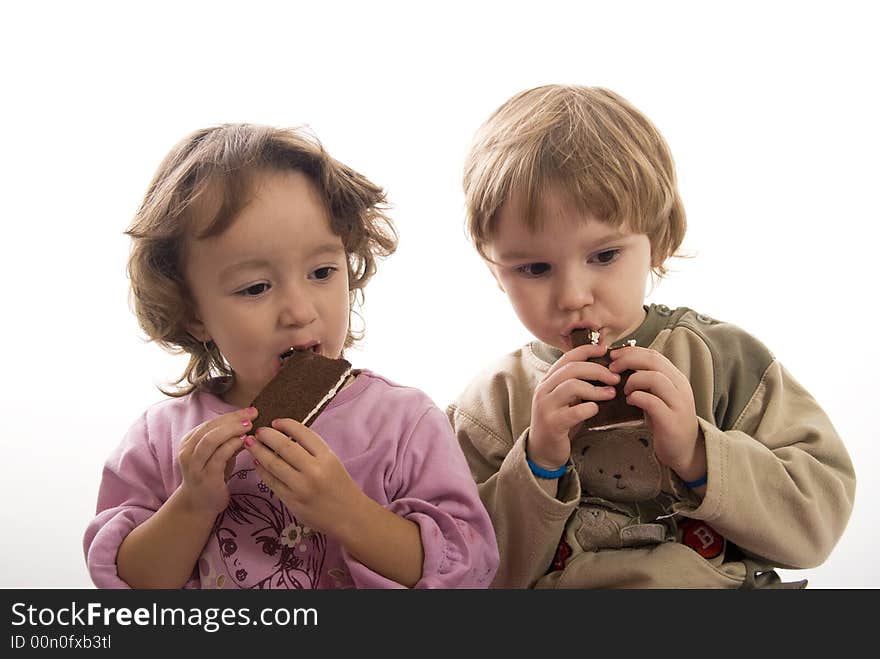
(780, 481)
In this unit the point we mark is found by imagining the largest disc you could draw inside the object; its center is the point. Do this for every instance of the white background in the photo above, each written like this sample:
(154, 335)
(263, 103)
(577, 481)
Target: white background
(771, 111)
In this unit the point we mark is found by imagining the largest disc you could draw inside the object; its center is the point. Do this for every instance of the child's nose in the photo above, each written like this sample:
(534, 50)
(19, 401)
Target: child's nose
(575, 292)
(297, 310)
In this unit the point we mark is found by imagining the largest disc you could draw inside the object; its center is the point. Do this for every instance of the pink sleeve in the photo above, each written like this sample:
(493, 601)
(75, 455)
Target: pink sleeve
(131, 491)
(437, 492)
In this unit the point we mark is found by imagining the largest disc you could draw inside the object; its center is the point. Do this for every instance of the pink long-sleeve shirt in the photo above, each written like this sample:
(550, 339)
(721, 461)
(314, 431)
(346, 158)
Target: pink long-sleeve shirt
(394, 442)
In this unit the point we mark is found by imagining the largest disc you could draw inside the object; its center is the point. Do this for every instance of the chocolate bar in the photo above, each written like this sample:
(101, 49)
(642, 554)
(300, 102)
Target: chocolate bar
(615, 412)
(301, 390)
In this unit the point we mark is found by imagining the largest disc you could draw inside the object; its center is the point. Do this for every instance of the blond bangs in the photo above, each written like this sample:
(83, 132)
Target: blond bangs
(588, 143)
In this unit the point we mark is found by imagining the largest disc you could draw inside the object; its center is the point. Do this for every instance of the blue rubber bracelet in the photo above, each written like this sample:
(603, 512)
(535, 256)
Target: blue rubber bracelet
(540, 472)
(698, 482)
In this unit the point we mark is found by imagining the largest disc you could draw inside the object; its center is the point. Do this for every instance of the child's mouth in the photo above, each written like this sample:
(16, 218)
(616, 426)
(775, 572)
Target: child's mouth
(580, 335)
(287, 353)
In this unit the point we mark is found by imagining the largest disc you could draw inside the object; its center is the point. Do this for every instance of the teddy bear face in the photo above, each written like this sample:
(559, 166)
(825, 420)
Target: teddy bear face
(618, 464)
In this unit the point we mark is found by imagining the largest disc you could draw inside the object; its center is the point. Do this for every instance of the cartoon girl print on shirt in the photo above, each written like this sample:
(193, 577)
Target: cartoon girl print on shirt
(263, 546)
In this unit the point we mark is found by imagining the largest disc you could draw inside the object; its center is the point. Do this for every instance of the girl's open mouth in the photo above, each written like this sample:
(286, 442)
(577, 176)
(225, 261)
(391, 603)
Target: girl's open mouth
(287, 353)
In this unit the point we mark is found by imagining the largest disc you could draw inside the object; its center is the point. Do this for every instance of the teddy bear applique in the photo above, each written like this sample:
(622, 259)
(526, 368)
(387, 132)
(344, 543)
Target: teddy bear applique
(626, 494)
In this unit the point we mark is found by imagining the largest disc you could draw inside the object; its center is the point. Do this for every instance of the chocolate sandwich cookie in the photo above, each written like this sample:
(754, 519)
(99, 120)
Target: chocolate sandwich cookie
(301, 390)
(617, 411)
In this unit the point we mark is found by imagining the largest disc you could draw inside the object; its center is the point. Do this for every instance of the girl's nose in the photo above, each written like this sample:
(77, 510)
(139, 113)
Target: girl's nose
(297, 310)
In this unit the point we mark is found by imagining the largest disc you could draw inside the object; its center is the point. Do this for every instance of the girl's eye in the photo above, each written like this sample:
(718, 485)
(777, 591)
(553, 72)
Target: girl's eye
(254, 290)
(323, 273)
(534, 269)
(606, 257)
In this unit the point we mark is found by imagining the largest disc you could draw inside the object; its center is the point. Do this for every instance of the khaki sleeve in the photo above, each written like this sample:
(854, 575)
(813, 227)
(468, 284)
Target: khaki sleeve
(528, 519)
(781, 483)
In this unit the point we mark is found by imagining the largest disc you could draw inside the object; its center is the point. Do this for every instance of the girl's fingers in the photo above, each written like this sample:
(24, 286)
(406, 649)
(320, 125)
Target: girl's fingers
(224, 454)
(230, 463)
(211, 441)
(301, 435)
(283, 446)
(202, 449)
(226, 426)
(271, 480)
(271, 460)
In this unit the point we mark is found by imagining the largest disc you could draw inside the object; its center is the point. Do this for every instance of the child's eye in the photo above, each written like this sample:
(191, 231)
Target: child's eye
(254, 289)
(605, 257)
(534, 269)
(324, 273)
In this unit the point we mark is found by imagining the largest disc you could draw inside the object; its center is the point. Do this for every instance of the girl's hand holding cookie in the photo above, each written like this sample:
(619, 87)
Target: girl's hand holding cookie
(306, 475)
(207, 455)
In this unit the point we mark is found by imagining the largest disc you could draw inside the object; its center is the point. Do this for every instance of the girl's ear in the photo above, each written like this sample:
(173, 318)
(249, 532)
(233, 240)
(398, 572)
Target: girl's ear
(197, 330)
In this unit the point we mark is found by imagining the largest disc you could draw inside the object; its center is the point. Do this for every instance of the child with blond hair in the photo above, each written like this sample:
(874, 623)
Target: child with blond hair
(731, 470)
(251, 240)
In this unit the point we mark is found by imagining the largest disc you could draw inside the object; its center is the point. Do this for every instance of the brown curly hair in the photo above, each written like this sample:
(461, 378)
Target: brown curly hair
(223, 160)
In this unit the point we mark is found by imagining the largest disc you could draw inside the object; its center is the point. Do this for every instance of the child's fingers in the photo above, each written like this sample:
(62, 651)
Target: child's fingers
(657, 411)
(212, 440)
(586, 371)
(265, 433)
(302, 435)
(217, 462)
(232, 424)
(574, 391)
(644, 359)
(230, 463)
(286, 447)
(635, 358)
(271, 480)
(579, 354)
(270, 460)
(654, 382)
(581, 412)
